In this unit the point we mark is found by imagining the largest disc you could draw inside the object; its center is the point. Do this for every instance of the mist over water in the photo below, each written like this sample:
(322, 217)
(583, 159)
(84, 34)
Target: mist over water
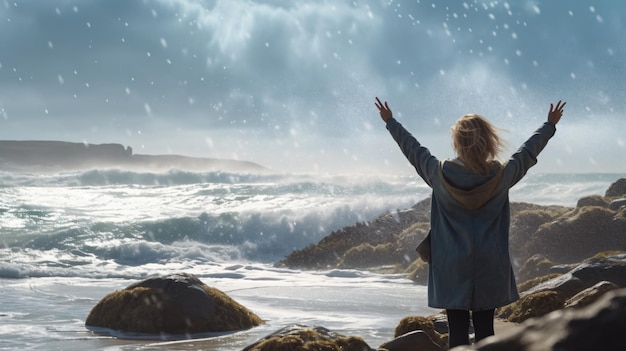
(132, 220)
(112, 223)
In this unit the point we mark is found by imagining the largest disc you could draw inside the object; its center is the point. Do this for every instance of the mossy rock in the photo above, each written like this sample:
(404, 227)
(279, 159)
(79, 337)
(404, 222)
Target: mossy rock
(593, 200)
(303, 338)
(579, 234)
(530, 283)
(525, 221)
(174, 304)
(418, 272)
(532, 305)
(367, 255)
(388, 228)
(425, 324)
(536, 266)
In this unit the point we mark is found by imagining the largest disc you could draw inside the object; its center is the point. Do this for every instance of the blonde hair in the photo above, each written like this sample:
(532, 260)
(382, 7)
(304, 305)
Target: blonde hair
(476, 142)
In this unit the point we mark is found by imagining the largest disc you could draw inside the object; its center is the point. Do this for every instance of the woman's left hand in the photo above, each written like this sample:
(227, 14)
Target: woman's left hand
(385, 111)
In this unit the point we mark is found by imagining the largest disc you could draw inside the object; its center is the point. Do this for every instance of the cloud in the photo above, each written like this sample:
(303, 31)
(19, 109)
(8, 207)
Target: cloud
(291, 84)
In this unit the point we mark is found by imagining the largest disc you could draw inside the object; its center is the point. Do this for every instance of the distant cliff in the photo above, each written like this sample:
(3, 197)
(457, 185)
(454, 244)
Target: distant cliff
(60, 155)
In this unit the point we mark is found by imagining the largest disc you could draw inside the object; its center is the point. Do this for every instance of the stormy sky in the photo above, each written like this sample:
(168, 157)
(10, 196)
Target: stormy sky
(291, 84)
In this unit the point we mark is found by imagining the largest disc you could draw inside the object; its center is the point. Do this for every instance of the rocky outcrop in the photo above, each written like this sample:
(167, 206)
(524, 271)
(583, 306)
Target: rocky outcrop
(46, 156)
(578, 287)
(434, 327)
(540, 238)
(578, 234)
(300, 337)
(549, 240)
(173, 304)
(617, 188)
(412, 341)
(388, 240)
(599, 326)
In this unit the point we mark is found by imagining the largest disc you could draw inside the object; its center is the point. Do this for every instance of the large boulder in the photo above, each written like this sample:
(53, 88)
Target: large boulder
(579, 234)
(617, 188)
(599, 326)
(617, 204)
(554, 294)
(301, 338)
(173, 304)
(412, 341)
(590, 295)
(536, 266)
(431, 326)
(593, 200)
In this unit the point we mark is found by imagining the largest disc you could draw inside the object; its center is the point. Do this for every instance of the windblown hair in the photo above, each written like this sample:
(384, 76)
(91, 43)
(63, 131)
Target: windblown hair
(476, 142)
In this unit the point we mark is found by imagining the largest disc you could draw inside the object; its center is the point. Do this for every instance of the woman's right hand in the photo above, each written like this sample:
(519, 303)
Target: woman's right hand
(555, 114)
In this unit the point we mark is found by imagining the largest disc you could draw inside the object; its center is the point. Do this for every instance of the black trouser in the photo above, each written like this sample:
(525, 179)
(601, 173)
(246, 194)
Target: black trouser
(459, 321)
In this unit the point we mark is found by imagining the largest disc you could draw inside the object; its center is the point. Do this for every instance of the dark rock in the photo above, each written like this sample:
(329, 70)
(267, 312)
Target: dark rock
(299, 337)
(552, 294)
(599, 326)
(599, 268)
(579, 234)
(617, 204)
(590, 295)
(531, 305)
(536, 266)
(617, 188)
(424, 324)
(592, 200)
(526, 219)
(563, 268)
(412, 341)
(173, 304)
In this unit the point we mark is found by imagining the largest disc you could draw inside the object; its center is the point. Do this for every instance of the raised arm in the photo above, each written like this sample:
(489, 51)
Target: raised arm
(526, 155)
(385, 111)
(419, 156)
(555, 114)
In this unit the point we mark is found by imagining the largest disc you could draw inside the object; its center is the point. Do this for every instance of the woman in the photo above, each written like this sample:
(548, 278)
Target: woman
(470, 268)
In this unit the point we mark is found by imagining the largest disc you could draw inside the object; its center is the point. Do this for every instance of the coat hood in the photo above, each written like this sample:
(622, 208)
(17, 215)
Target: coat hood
(475, 198)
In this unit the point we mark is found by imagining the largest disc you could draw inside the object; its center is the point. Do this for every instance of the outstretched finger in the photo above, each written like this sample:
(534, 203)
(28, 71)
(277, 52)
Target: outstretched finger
(378, 103)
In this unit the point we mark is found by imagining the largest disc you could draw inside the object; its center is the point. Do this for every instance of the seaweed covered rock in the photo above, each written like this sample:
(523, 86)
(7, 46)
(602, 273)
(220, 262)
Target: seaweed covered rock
(173, 304)
(599, 326)
(536, 266)
(554, 294)
(301, 338)
(579, 234)
(368, 255)
(534, 304)
(412, 341)
(418, 272)
(390, 238)
(427, 325)
(593, 200)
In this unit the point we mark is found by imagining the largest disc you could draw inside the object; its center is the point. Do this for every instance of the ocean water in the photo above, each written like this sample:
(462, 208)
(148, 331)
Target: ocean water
(68, 239)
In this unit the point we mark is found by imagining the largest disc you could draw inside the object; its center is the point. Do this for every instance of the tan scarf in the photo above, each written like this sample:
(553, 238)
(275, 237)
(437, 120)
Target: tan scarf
(477, 197)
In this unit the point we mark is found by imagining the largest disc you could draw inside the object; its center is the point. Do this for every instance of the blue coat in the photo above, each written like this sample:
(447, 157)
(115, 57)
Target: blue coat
(470, 266)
